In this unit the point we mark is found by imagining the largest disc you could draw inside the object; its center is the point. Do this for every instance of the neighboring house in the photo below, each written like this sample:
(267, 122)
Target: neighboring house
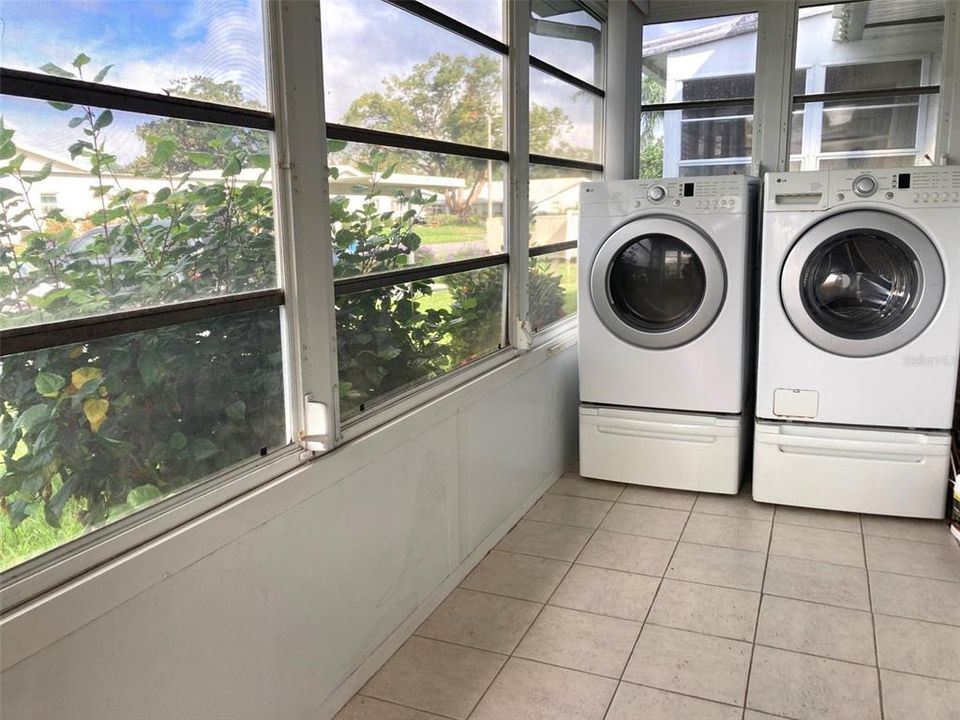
(840, 48)
(68, 187)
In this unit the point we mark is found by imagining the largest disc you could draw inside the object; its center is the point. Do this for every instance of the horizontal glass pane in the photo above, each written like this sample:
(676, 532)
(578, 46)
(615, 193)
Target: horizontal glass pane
(387, 69)
(555, 203)
(874, 75)
(857, 127)
(740, 168)
(861, 130)
(564, 120)
(705, 59)
(398, 208)
(571, 41)
(716, 138)
(552, 287)
(869, 161)
(106, 211)
(483, 15)
(92, 431)
(668, 142)
(871, 45)
(189, 48)
(392, 339)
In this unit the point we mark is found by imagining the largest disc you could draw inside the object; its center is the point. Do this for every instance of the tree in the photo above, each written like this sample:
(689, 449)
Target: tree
(194, 141)
(456, 98)
(651, 129)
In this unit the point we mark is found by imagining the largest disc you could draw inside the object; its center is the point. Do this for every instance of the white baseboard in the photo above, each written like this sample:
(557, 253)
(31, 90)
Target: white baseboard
(375, 660)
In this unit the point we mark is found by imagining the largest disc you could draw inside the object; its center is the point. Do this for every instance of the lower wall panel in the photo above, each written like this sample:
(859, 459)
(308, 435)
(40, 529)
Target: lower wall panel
(272, 623)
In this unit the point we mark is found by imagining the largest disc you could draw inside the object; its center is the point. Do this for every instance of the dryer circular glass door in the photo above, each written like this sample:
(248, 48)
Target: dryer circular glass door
(657, 282)
(862, 283)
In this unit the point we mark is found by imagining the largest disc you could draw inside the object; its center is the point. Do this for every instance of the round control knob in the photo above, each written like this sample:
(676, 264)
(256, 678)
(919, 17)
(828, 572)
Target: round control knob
(656, 193)
(865, 186)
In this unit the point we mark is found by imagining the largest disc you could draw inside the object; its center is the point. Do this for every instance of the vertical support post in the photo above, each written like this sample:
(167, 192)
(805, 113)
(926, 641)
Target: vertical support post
(776, 46)
(948, 124)
(303, 210)
(624, 37)
(517, 197)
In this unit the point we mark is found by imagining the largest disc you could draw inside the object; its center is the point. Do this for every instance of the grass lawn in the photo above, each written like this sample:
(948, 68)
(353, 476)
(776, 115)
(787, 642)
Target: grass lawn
(440, 234)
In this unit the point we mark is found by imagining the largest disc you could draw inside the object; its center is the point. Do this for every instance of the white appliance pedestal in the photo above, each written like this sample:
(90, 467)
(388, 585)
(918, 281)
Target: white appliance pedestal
(683, 451)
(880, 472)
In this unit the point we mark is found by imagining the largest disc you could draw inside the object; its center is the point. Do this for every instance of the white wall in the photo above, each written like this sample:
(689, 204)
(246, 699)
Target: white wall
(271, 621)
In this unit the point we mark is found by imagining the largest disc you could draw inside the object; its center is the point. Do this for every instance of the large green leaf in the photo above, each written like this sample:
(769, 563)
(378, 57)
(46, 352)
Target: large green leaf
(49, 384)
(33, 415)
(103, 120)
(53, 508)
(99, 77)
(51, 69)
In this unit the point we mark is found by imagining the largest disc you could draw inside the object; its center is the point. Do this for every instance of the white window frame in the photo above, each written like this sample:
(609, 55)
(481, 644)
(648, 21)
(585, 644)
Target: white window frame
(811, 157)
(305, 267)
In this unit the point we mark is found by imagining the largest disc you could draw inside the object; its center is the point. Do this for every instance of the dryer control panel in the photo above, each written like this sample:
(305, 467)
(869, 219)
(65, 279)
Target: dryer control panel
(706, 195)
(911, 187)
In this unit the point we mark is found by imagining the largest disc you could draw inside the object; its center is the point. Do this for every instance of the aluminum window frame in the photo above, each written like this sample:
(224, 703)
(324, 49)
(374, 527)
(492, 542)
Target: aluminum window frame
(538, 336)
(382, 409)
(698, 12)
(813, 109)
(32, 578)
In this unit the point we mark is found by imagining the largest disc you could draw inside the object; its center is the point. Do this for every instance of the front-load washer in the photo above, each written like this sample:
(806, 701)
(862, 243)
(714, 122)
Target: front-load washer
(859, 335)
(664, 329)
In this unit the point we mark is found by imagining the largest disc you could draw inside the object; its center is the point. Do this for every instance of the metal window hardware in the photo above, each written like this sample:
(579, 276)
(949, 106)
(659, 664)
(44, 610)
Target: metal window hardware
(317, 437)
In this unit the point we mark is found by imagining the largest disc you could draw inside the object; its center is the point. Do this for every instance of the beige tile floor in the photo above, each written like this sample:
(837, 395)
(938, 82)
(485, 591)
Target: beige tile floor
(629, 603)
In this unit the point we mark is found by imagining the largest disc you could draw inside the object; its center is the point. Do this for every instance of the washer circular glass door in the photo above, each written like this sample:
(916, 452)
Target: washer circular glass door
(657, 282)
(862, 283)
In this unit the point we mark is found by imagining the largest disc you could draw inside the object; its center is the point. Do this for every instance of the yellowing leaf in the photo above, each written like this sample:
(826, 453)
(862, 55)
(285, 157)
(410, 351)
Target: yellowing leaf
(96, 411)
(76, 352)
(81, 376)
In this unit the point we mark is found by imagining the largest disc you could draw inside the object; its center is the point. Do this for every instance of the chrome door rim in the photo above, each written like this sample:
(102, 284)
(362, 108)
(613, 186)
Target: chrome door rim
(925, 306)
(715, 281)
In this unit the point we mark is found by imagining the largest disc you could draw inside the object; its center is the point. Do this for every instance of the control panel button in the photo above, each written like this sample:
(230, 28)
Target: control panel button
(865, 186)
(656, 193)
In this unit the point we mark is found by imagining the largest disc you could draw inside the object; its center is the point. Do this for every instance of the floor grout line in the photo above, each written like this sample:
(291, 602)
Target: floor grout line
(549, 598)
(773, 521)
(687, 695)
(646, 616)
(756, 624)
(873, 625)
(360, 693)
(724, 587)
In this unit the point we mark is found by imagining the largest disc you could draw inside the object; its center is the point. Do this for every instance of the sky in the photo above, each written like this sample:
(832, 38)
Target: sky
(152, 42)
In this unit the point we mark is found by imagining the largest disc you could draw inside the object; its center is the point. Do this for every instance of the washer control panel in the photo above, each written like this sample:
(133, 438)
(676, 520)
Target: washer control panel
(690, 195)
(933, 186)
(865, 186)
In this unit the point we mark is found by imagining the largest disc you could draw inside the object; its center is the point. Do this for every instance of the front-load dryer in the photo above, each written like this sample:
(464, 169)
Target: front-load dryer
(859, 334)
(664, 329)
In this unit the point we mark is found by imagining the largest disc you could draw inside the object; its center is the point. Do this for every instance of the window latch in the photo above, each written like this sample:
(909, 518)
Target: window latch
(317, 436)
(525, 338)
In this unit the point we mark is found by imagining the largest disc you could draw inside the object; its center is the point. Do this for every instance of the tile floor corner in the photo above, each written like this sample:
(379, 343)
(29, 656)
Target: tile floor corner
(609, 602)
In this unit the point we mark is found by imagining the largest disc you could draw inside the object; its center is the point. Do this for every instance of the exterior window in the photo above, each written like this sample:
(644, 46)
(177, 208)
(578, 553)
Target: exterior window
(393, 338)
(847, 49)
(160, 229)
(419, 184)
(427, 83)
(48, 202)
(566, 70)
(708, 64)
